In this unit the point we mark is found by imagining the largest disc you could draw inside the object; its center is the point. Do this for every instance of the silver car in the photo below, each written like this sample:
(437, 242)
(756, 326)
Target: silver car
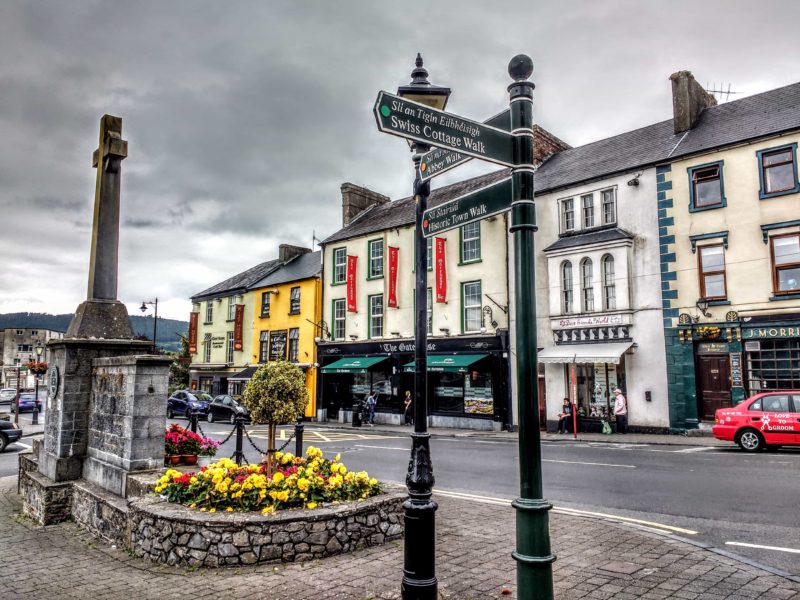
(7, 395)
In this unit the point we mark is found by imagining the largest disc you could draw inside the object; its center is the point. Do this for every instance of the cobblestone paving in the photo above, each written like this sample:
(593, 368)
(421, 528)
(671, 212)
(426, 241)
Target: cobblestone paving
(473, 556)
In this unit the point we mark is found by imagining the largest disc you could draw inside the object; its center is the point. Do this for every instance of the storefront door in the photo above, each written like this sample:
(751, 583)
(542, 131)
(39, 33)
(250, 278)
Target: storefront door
(713, 384)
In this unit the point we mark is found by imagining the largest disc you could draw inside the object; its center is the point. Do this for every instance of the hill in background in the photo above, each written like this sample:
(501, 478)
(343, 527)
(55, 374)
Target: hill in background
(169, 330)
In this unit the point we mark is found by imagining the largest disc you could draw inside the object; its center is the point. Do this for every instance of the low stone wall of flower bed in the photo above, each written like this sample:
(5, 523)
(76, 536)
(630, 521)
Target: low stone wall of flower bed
(176, 535)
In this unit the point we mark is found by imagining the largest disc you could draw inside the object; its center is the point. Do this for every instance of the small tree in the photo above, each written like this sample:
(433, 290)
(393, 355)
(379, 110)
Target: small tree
(275, 394)
(179, 369)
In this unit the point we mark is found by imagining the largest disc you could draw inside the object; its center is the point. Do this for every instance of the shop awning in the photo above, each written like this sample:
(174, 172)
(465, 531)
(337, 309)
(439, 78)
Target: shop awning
(584, 353)
(448, 363)
(353, 364)
(244, 375)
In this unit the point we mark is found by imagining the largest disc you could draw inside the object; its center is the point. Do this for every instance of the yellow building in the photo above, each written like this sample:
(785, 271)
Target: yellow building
(287, 318)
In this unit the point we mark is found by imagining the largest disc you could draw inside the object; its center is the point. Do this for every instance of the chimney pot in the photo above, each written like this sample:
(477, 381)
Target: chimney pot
(689, 100)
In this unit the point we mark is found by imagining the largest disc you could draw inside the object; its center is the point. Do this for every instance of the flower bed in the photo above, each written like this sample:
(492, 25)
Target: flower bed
(304, 482)
(179, 441)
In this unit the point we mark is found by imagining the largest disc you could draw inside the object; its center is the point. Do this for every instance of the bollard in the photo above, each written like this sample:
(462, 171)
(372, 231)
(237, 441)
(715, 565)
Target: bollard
(238, 456)
(298, 436)
(193, 421)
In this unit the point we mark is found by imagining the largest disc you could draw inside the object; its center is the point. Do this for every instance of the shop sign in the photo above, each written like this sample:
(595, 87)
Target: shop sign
(237, 328)
(393, 259)
(193, 332)
(277, 345)
(753, 333)
(352, 262)
(736, 369)
(712, 347)
(600, 320)
(441, 271)
(218, 341)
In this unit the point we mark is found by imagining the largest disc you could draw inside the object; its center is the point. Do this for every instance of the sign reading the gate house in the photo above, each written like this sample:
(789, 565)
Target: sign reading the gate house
(421, 123)
(482, 204)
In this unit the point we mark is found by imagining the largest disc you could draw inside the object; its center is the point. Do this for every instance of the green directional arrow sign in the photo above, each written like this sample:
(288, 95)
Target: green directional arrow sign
(482, 204)
(421, 123)
(441, 160)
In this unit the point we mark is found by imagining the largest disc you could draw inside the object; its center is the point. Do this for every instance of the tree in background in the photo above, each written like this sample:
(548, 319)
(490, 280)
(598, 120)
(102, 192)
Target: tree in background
(179, 369)
(275, 394)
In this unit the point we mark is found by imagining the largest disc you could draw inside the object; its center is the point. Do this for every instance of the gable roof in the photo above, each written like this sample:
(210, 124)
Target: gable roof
(761, 115)
(239, 282)
(584, 238)
(305, 266)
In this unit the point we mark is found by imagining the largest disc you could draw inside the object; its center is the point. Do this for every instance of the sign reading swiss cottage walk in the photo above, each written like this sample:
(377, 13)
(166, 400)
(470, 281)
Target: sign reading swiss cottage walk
(421, 123)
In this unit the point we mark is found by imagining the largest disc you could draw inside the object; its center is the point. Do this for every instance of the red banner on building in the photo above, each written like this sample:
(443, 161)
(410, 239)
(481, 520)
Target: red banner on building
(193, 332)
(393, 255)
(351, 283)
(441, 271)
(237, 328)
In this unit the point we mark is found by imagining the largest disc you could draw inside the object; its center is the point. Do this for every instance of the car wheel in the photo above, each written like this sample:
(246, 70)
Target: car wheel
(170, 414)
(210, 417)
(3, 442)
(750, 440)
(233, 419)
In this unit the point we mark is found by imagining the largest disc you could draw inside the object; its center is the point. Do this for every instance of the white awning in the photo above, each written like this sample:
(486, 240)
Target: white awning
(584, 353)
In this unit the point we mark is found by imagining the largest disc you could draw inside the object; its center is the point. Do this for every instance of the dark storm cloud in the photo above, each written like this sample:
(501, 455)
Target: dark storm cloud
(244, 118)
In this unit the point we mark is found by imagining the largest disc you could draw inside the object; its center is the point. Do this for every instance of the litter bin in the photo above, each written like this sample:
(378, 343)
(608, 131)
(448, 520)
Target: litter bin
(357, 414)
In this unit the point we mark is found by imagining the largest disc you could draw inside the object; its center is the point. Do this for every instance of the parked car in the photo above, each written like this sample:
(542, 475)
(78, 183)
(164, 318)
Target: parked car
(767, 420)
(9, 433)
(226, 408)
(183, 402)
(7, 395)
(27, 400)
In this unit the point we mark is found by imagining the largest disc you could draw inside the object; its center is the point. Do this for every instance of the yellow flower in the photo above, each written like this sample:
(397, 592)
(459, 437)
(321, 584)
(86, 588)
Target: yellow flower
(193, 480)
(203, 509)
(303, 484)
(212, 510)
(277, 477)
(287, 458)
(268, 509)
(283, 496)
(337, 458)
(311, 505)
(373, 481)
(313, 452)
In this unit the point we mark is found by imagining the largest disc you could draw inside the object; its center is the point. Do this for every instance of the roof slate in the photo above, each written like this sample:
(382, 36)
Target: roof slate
(304, 266)
(239, 282)
(591, 237)
(769, 113)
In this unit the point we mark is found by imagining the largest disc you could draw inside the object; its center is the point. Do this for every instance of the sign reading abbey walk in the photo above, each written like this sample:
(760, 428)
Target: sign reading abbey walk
(414, 121)
(484, 203)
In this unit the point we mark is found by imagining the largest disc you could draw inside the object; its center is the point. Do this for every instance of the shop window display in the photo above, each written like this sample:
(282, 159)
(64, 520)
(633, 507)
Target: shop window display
(594, 385)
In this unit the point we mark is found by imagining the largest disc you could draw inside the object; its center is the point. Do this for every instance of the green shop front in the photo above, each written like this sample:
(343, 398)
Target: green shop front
(468, 380)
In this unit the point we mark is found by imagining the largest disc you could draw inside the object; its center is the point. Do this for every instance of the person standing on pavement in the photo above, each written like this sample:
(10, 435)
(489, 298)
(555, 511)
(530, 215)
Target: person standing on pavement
(409, 418)
(621, 411)
(371, 402)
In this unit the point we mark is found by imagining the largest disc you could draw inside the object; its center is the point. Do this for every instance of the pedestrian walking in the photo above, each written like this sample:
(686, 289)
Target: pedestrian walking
(621, 411)
(372, 400)
(565, 416)
(409, 418)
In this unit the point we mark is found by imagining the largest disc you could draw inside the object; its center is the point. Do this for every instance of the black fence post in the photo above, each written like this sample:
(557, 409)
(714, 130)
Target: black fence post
(298, 436)
(238, 456)
(193, 421)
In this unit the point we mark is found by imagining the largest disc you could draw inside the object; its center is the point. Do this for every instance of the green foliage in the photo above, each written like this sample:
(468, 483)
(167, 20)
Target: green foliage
(276, 393)
(179, 369)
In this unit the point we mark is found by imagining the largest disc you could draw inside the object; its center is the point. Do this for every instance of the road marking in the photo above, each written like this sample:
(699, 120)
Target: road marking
(567, 511)
(381, 447)
(593, 464)
(775, 548)
(690, 450)
(23, 445)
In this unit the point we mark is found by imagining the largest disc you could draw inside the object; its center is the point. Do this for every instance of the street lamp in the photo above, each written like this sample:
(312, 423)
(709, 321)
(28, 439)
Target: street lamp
(39, 349)
(143, 308)
(419, 567)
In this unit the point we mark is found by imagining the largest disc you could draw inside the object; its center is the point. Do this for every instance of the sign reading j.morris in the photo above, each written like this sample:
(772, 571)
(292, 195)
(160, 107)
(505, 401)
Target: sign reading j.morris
(760, 333)
(598, 321)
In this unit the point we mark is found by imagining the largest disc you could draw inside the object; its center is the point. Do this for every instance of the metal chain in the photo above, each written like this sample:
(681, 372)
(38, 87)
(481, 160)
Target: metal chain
(229, 435)
(260, 451)
(200, 429)
(252, 443)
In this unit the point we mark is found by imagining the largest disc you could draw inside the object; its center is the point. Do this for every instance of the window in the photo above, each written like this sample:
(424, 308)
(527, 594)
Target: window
(20, 332)
(429, 252)
(566, 287)
(209, 311)
(376, 316)
(294, 344)
(294, 301)
(207, 348)
(339, 308)
(265, 304)
(471, 242)
(375, 259)
(471, 302)
(587, 203)
(231, 308)
(430, 311)
(776, 403)
(786, 263)
(24, 347)
(229, 357)
(609, 207)
(609, 285)
(587, 289)
(712, 272)
(567, 215)
(705, 187)
(777, 171)
(263, 346)
(339, 265)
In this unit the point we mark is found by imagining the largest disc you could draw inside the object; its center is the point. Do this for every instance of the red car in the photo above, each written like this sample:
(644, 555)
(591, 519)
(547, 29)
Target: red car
(767, 420)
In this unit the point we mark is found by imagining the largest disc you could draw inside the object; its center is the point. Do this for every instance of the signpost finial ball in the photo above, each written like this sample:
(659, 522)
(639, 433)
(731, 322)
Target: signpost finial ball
(520, 67)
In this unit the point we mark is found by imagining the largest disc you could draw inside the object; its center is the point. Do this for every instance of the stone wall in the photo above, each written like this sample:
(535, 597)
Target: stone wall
(175, 535)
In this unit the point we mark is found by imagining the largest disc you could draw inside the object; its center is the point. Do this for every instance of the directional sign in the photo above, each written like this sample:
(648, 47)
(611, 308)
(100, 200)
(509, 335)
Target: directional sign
(482, 204)
(440, 160)
(421, 123)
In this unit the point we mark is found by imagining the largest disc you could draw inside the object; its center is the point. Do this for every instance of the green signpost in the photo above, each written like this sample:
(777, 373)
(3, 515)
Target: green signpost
(475, 206)
(414, 121)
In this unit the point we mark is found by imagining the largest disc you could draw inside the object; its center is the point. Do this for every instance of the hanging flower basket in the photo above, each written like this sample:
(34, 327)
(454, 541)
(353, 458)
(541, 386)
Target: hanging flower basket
(708, 332)
(37, 368)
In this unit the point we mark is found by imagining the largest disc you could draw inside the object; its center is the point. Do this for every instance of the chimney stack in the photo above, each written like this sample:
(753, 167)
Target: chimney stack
(356, 200)
(287, 252)
(689, 99)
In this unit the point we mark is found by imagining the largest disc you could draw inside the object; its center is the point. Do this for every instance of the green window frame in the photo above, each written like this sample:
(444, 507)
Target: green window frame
(339, 273)
(375, 325)
(706, 187)
(471, 306)
(338, 313)
(777, 171)
(470, 242)
(375, 258)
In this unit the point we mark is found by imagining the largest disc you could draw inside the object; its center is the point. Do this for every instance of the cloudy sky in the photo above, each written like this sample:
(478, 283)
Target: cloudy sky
(244, 118)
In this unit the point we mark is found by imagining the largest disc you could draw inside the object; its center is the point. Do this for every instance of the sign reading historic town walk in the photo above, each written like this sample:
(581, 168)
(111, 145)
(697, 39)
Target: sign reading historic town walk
(421, 123)
(484, 203)
(441, 160)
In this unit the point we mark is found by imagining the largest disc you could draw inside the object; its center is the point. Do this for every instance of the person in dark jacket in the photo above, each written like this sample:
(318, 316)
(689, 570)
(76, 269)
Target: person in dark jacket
(408, 410)
(565, 417)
